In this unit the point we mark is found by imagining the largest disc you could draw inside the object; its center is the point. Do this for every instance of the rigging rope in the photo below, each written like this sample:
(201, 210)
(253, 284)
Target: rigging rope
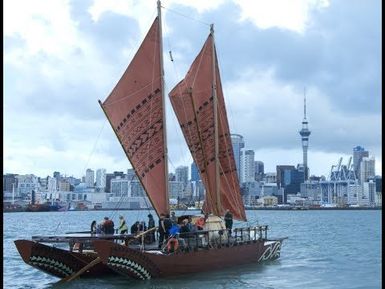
(94, 146)
(186, 16)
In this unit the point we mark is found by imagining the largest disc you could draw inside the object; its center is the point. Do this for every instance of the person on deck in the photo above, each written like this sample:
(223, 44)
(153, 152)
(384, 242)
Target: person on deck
(108, 226)
(167, 225)
(93, 227)
(161, 229)
(200, 223)
(229, 221)
(151, 224)
(135, 228)
(173, 218)
(184, 229)
(123, 229)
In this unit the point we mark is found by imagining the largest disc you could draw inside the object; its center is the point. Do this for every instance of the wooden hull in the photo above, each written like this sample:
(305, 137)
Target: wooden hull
(58, 262)
(146, 265)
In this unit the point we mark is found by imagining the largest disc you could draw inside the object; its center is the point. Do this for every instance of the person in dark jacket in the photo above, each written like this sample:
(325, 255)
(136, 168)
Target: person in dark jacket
(184, 229)
(108, 226)
(229, 221)
(167, 224)
(161, 229)
(151, 224)
(135, 228)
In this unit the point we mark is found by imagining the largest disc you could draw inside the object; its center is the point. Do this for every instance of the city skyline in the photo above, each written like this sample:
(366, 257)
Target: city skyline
(193, 173)
(61, 58)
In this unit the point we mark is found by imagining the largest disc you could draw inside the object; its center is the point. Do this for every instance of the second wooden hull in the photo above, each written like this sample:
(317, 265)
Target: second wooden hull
(155, 264)
(58, 262)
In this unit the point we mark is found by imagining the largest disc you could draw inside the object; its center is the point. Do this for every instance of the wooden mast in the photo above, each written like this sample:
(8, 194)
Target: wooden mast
(216, 133)
(164, 106)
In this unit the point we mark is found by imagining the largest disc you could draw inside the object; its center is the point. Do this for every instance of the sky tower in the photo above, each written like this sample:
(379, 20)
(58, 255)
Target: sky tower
(305, 132)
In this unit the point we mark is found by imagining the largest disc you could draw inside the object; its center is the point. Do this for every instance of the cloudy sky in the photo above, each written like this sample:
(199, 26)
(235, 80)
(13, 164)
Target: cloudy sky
(61, 56)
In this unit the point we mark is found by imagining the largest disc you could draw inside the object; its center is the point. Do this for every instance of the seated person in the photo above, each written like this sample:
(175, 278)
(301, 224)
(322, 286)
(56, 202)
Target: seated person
(135, 228)
(185, 233)
(200, 223)
(184, 229)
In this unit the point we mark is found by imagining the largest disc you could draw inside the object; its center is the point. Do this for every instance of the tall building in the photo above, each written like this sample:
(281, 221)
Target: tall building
(52, 184)
(26, 184)
(292, 180)
(109, 177)
(305, 133)
(175, 189)
(378, 181)
(369, 190)
(238, 145)
(358, 153)
(367, 169)
(247, 167)
(101, 178)
(287, 176)
(194, 173)
(181, 175)
(280, 174)
(57, 176)
(120, 187)
(90, 178)
(136, 188)
(9, 181)
(259, 170)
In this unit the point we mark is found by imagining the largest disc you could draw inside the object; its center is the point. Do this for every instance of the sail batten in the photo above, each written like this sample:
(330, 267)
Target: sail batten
(193, 100)
(135, 109)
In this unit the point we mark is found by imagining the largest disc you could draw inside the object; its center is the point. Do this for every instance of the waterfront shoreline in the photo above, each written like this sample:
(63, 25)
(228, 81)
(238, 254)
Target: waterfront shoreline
(248, 209)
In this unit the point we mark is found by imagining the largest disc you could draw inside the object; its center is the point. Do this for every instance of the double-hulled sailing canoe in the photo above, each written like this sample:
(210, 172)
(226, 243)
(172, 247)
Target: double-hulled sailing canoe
(135, 110)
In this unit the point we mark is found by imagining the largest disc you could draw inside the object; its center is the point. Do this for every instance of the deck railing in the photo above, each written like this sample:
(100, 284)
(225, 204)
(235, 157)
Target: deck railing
(217, 238)
(200, 239)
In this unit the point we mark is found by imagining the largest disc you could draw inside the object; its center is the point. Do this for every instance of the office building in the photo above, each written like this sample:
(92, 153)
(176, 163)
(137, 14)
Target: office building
(238, 145)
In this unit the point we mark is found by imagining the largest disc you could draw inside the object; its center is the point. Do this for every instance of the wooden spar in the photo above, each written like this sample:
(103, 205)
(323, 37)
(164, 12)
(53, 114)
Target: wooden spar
(141, 234)
(81, 271)
(163, 106)
(216, 133)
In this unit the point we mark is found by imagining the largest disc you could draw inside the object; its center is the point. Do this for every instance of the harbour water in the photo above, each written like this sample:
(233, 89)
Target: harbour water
(325, 249)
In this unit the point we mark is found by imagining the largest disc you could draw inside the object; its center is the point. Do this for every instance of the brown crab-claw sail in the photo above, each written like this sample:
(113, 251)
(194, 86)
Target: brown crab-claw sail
(135, 111)
(192, 101)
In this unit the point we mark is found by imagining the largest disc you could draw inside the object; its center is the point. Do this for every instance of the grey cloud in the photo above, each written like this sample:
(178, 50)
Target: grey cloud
(110, 34)
(339, 53)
